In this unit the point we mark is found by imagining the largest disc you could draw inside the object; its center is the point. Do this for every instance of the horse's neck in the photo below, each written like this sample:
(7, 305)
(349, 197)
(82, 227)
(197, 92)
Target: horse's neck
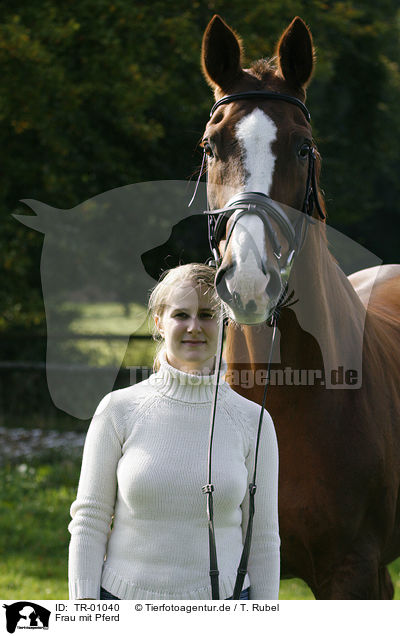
(328, 307)
(323, 328)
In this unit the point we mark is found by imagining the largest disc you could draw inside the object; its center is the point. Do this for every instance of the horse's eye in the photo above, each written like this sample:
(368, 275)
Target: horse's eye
(304, 150)
(207, 149)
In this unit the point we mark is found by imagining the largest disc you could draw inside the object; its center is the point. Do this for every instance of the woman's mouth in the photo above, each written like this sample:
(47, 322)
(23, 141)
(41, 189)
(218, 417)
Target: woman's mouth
(193, 342)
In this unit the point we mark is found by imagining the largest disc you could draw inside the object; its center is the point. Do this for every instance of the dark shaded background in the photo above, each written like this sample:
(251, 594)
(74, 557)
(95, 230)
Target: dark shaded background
(101, 94)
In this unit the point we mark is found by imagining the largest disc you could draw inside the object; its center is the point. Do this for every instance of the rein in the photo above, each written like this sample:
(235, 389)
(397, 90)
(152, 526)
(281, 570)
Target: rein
(208, 488)
(261, 205)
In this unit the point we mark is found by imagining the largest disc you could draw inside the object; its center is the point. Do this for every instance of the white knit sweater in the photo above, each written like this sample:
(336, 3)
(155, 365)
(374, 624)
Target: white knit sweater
(144, 465)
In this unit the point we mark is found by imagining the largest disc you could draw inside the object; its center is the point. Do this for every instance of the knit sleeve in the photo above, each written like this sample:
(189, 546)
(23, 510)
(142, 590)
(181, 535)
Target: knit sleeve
(264, 560)
(93, 508)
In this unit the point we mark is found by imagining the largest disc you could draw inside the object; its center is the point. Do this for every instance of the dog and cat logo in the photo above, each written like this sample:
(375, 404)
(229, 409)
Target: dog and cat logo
(26, 615)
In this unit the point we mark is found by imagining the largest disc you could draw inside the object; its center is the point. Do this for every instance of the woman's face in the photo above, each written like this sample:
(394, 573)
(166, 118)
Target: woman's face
(189, 327)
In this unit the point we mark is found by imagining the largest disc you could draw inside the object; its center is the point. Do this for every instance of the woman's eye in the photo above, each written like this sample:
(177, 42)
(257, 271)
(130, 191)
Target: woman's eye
(304, 150)
(207, 315)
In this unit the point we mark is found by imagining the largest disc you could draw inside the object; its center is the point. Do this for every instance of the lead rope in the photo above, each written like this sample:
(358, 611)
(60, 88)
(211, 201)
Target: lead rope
(208, 489)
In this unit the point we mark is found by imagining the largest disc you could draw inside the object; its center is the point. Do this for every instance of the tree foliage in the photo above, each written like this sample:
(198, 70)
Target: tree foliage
(103, 93)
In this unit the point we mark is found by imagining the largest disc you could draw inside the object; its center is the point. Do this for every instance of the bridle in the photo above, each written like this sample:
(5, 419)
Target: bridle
(265, 208)
(258, 204)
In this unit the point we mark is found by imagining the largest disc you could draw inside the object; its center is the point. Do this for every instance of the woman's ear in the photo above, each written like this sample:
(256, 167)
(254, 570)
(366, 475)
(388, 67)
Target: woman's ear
(157, 320)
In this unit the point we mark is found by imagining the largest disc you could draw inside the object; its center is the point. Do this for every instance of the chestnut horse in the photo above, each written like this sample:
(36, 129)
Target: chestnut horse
(339, 447)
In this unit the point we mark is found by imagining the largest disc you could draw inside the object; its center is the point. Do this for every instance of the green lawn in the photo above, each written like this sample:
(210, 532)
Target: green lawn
(108, 319)
(35, 501)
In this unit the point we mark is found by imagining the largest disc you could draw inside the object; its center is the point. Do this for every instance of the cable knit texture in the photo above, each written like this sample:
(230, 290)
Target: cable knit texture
(139, 522)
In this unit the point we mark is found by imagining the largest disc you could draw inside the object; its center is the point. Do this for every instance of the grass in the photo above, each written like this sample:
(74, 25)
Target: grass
(25, 400)
(35, 501)
(108, 319)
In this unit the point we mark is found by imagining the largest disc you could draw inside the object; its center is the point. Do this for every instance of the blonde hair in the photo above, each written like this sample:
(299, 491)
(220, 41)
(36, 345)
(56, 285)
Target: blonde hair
(198, 275)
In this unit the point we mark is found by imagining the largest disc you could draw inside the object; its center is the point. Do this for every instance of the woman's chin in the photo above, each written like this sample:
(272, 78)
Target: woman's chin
(194, 362)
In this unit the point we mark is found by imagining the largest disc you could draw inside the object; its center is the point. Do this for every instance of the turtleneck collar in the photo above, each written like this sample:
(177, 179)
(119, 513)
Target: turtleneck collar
(186, 387)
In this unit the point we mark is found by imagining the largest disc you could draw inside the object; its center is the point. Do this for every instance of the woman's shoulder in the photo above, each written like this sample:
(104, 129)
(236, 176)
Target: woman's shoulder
(247, 408)
(246, 414)
(127, 398)
(240, 400)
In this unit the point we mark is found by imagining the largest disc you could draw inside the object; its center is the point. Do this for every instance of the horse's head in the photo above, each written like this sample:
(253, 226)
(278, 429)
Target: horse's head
(260, 151)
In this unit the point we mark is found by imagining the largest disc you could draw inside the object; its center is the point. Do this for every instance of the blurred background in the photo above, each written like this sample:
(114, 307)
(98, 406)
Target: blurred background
(99, 95)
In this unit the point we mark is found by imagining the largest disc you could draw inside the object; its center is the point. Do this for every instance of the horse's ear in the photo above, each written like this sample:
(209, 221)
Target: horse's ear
(221, 54)
(295, 54)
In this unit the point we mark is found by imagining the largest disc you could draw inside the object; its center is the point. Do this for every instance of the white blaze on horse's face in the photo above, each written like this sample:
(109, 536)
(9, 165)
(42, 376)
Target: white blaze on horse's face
(255, 133)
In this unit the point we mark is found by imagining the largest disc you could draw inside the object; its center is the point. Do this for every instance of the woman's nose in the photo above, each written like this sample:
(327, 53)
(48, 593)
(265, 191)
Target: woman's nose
(194, 324)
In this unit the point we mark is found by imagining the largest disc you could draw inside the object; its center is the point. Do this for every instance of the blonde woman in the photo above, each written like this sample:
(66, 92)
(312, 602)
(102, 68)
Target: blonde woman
(139, 522)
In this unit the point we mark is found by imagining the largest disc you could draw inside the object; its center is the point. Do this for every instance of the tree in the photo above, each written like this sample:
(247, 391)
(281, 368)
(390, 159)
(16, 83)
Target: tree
(101, 94)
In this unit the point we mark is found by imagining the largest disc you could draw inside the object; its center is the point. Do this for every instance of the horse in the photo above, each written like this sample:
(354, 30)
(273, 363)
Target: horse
(339, 444)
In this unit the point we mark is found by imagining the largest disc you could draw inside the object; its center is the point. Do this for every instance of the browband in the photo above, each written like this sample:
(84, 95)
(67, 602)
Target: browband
(262, 95)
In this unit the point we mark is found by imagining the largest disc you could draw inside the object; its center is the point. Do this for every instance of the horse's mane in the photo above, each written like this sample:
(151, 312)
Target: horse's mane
(263, 69)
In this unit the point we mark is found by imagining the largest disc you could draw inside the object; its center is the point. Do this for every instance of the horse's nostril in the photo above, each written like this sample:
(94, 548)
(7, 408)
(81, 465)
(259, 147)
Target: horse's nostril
(273, 288)
(237, 301)
(223, 275)
(221, 286)
(220, 276)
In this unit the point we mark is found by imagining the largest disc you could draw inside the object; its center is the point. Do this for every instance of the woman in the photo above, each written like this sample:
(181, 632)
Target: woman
(145, 462)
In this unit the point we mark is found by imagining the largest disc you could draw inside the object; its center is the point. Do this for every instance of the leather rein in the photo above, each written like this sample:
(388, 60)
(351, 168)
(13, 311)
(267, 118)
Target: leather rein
(264, 207)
